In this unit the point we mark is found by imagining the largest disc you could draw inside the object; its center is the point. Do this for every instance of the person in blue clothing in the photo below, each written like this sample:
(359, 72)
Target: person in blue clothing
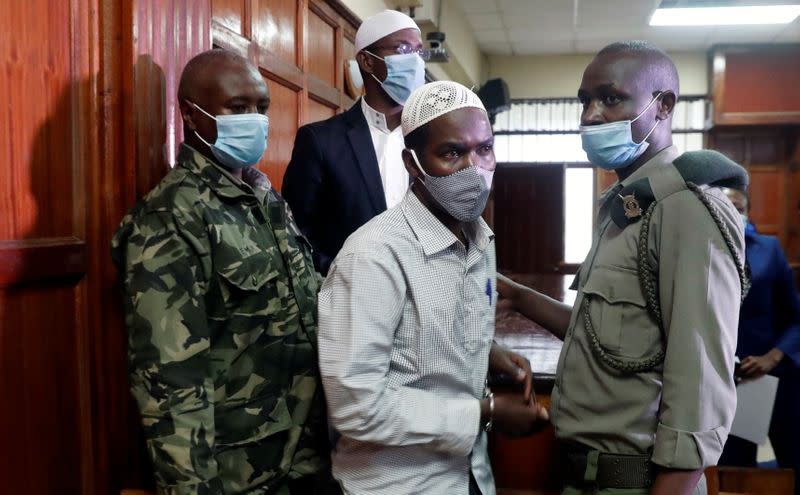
(769, 343)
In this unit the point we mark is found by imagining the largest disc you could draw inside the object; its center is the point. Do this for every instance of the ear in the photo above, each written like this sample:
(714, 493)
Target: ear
(411, 166)
(366, 62)
(666, 105)
(188, 113)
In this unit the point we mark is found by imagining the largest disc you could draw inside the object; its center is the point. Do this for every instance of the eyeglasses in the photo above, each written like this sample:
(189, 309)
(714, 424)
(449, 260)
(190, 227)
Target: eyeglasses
(405, 49)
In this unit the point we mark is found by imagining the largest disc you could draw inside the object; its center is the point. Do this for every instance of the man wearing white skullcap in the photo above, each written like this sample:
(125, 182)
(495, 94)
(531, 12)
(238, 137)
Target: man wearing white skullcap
(406, 320)
(347, 169)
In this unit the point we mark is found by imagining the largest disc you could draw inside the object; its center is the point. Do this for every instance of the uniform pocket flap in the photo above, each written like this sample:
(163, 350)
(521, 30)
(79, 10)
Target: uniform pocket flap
(251, 273)
(615, 285)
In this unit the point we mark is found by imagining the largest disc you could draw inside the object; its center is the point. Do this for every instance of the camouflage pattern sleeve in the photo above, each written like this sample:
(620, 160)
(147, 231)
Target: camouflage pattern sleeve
(169, 351)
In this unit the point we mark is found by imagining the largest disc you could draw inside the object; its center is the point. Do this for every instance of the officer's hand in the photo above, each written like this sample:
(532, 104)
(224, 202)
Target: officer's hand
(502, 360)
(508, 290)
(757, 366)
(515, 417)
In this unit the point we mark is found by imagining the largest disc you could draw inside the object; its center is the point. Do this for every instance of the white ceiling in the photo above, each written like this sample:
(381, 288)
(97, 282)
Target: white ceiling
(526, 27)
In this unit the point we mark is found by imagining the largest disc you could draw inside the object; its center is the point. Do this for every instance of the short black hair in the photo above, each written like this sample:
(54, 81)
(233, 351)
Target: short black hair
(661, 67)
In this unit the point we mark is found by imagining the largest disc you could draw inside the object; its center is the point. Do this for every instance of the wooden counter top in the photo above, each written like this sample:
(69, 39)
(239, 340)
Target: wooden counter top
(525, 337)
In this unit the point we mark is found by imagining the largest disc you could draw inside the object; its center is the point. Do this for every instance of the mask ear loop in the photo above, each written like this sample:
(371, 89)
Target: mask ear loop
(648, 106)
(660, 93)
(208, 114)
(379, 58)
(195, 130)
(416, 161)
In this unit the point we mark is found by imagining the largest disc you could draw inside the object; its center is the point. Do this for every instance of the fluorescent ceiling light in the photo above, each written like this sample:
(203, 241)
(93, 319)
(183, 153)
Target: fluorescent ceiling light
(720, 16)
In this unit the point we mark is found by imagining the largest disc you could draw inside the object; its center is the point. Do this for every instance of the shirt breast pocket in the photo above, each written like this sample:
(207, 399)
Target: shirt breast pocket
(619, 314)
(248, 270)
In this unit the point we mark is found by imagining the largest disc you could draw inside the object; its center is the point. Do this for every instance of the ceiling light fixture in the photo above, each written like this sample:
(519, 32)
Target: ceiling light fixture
(725, 16)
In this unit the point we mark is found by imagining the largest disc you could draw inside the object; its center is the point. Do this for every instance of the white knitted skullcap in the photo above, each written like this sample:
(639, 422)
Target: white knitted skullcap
(382, 24)
(434, 100)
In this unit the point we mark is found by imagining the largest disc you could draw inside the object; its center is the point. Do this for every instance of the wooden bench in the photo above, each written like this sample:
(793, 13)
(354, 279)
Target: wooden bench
(724, 480)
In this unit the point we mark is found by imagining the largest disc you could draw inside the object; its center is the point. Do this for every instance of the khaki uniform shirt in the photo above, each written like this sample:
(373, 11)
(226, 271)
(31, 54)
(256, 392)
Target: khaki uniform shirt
(681, 411)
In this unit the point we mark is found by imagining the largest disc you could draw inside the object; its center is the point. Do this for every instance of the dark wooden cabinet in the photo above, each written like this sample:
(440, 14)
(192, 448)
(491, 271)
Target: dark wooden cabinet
(756, 122)
(755, 84)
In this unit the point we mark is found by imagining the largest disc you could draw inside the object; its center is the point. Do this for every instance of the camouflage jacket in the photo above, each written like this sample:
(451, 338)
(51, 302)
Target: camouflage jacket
(220, 305)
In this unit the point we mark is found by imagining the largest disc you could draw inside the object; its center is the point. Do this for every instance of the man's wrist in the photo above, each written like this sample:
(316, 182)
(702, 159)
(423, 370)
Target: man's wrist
(489, 418)
(775, 355)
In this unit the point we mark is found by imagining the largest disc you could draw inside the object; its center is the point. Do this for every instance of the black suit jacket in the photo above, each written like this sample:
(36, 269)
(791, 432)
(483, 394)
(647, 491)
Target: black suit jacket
(333, 183)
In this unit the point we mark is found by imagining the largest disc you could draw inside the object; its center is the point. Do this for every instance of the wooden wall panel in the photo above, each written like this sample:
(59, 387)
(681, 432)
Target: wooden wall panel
(745, 78)
(283, 125)
(168, 34)
(767, 198)
(321, 48)
(40, 423)
(89, 92)
(793, 205)
(36, 61)
(275, 27)
(46, 50)
(528, 217)
(349, 48)
(770, 154)
(231, 14)
(298, 46)
(318, 111)
(754, 84)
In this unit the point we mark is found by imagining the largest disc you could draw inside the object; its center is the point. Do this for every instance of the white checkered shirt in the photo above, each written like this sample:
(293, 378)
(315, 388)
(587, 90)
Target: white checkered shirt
(406, 320)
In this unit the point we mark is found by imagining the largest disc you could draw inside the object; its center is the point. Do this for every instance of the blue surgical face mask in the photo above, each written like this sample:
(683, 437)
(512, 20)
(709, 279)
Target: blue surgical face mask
(611, 146)
(241, 138)
(404, 74)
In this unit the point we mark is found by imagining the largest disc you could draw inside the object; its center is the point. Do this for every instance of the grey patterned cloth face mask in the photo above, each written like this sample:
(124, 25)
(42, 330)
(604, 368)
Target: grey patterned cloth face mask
(462, 194)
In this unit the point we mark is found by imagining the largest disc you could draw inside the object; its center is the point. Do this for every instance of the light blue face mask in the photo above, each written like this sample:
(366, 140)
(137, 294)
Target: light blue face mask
(241, 138)
(611, 146)
(404, 74)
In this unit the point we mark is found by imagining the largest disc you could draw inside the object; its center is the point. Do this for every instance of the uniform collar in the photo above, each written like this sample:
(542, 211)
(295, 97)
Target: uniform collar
(651, 166)
(663, 157)
(432, 233)
(375, 119)
(219, 179)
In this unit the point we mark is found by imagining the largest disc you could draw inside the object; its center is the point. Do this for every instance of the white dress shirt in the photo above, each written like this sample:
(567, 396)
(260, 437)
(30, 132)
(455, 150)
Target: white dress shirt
(388, 150)
(406, 321)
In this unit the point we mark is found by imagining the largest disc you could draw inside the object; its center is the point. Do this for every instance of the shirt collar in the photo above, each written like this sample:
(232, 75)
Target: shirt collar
(221, 180)
(374, 118)
(432, 233)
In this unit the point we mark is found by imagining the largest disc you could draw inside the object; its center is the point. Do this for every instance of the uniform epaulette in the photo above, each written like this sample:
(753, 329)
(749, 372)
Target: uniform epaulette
(712, 168)
(704, 167)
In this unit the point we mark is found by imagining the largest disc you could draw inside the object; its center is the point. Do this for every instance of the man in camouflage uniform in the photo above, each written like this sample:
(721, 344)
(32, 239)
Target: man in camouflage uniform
(220, 299)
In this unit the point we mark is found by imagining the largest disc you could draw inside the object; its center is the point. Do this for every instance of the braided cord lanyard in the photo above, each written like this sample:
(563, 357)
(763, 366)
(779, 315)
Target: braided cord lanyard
(648, 279)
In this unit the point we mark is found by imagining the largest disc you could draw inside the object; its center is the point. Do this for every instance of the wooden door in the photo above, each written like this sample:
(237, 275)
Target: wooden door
(529, 217)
